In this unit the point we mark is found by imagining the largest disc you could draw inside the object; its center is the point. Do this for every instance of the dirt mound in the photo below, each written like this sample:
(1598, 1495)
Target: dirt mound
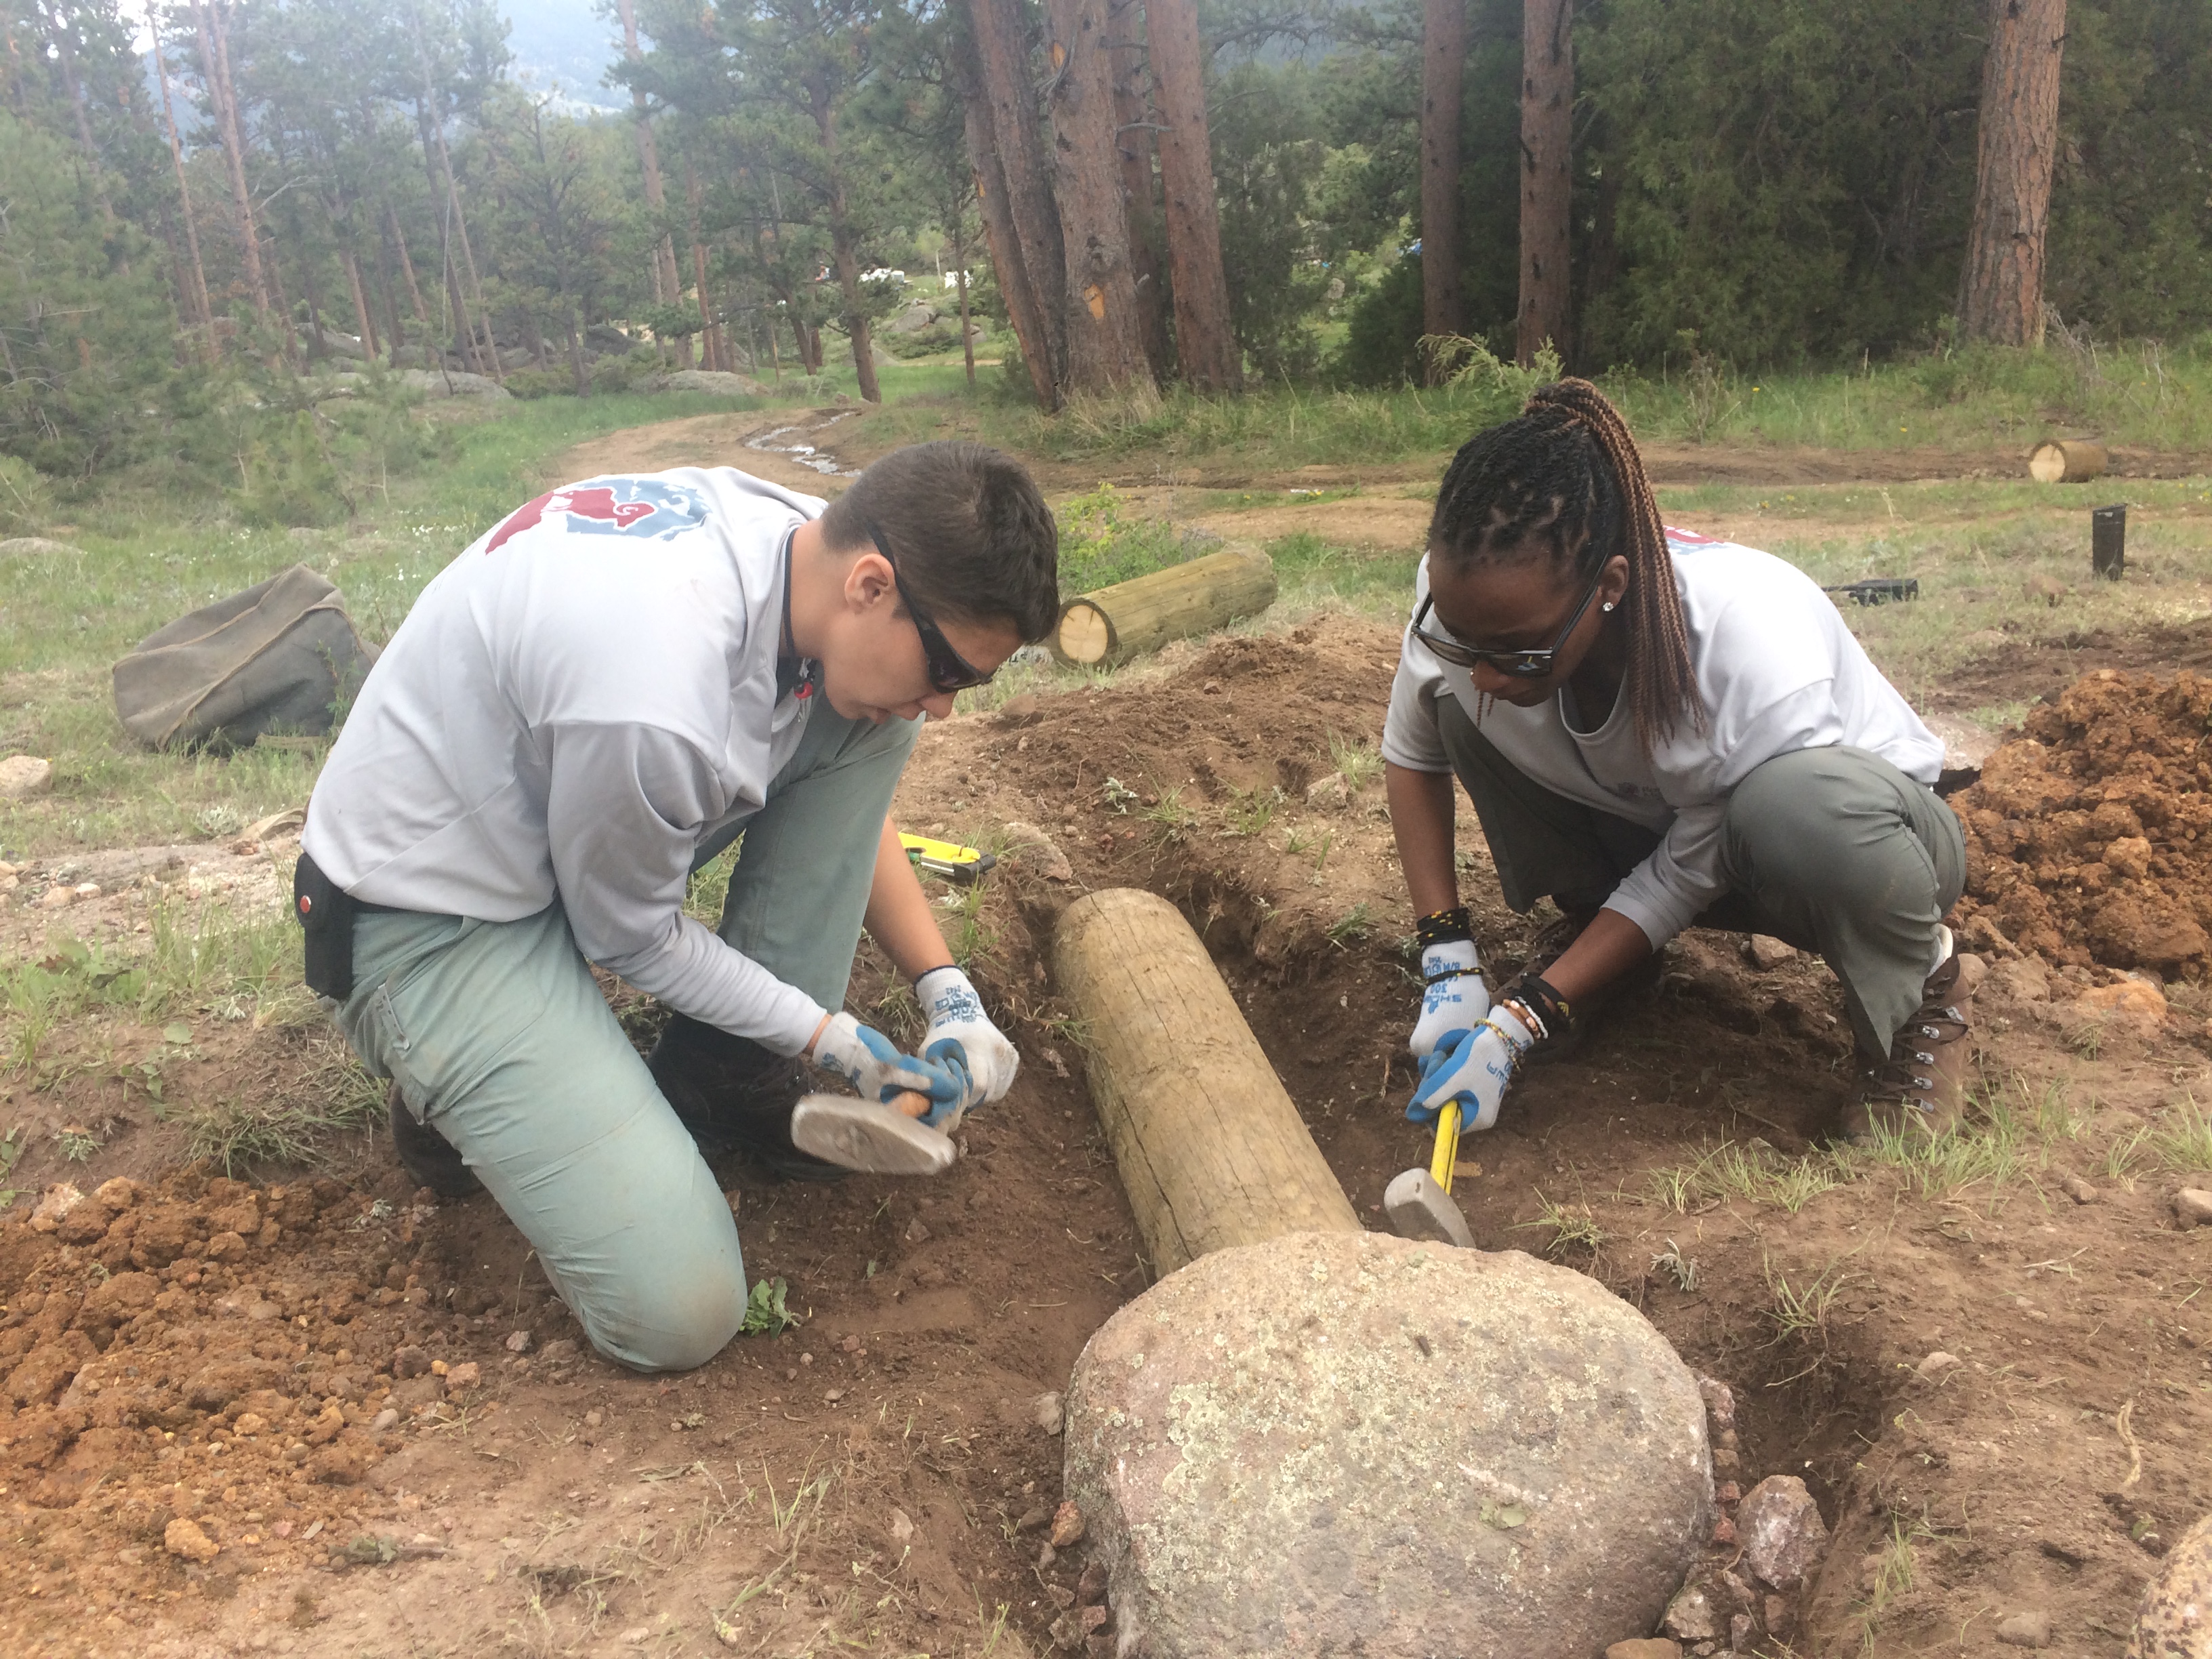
(2089, 839)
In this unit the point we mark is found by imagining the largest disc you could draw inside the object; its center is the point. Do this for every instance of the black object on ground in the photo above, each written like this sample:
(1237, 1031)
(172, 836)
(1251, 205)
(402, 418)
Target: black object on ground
(1879, 590)
(2108, 542)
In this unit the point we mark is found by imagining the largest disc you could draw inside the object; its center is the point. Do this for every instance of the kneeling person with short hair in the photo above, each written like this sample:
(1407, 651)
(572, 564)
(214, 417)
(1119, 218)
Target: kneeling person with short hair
(597, 698)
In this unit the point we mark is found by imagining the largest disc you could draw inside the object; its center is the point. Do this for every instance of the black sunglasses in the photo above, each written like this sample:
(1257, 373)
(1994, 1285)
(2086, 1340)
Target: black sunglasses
(948, 669)
(1517, 665)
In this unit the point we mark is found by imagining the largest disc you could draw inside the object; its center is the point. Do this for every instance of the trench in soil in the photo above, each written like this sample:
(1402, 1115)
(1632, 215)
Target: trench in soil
(877, 1476)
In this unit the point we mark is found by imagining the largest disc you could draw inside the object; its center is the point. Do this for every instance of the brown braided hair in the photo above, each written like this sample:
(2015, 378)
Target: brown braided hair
(1565, 474)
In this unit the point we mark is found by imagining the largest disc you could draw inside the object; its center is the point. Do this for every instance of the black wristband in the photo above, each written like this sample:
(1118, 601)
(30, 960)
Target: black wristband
(1532, 993)
(1444, 927)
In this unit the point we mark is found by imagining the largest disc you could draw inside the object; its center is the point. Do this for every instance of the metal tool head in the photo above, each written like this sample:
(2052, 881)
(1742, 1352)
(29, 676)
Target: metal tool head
(868, 1136)
(1420, 1209)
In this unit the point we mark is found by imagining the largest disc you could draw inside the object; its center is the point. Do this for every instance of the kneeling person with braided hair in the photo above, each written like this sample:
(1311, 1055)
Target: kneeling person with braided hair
(1657, 731)
(605, 691)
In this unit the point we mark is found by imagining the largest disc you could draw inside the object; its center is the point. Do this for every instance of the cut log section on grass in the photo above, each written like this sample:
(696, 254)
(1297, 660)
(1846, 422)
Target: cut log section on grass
(2066, 460)
(1145, 613)
(1212, 1151)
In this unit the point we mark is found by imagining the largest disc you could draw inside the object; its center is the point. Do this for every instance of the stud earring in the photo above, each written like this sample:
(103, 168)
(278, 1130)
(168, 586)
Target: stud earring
(1607, 605)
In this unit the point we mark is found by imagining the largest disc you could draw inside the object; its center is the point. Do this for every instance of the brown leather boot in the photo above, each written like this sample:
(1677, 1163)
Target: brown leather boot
(1922, 1082)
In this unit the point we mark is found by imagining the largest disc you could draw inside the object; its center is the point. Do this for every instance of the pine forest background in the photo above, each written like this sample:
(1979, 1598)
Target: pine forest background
(231, 230)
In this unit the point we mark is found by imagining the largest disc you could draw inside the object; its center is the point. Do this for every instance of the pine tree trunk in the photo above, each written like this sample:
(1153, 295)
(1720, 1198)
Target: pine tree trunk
(216, 60)
(845, 249)
(2000, 288)
(1206, 345)
(1022, 312)
(711, 352)
(362, 317)
(1135, 149)
(667, 288)
(202, 313)
(1547, 133)
(1000, 32)
(469, 263)
(1444, 74)
(406, 265)
(1105, 348)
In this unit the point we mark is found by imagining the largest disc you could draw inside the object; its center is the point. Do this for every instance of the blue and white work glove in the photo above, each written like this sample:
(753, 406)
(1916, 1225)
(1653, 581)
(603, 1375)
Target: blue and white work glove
(962, 1039)
(1473, 1068)
(872, 1063)
(1454, 998)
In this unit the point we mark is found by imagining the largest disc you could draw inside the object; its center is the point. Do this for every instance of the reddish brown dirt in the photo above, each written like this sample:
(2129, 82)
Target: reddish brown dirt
(2090, 837)
(559, 1506)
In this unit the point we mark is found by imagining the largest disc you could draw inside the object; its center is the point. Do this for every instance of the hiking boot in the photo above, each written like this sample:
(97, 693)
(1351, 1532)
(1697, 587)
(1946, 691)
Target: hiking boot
(735, 1096)
(427, 1156)
(1922, 1082)
(1587, 1013)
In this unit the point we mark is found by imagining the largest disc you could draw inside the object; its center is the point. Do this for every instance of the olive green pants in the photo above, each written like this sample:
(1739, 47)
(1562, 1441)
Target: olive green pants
(1833, 850)
(500, 1039)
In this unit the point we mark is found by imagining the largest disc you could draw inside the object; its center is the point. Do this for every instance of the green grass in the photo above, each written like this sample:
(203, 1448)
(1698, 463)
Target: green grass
(1971, 400)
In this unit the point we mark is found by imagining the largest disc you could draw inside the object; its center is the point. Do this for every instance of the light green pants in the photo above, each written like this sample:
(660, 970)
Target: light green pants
(1832, 850)
(500, 1039)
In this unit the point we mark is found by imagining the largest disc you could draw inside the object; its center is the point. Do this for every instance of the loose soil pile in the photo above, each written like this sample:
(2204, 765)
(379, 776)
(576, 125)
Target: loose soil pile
(881, 1478)
(2089, 839)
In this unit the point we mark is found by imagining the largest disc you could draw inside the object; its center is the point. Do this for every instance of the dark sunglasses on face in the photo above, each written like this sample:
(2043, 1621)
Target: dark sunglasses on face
(1515, 664)
(948, 669)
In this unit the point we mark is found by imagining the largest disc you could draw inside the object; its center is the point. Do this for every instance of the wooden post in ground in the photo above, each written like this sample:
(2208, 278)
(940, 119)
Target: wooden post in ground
(1211, 1150)
(1146, 612)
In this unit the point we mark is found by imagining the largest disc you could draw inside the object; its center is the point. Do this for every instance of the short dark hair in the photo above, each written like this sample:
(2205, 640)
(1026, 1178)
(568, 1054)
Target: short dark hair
(968, 529)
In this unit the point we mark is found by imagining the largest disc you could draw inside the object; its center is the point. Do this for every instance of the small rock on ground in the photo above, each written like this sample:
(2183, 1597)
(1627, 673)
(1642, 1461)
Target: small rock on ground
(183, 1537)
(2028, 1629)
(1782, 1531)
(1937, 1366)
(2192, 1207)
(2079, 1190)
(1762, 951)
(2176, 1615)
(25, 776)
(31, 546)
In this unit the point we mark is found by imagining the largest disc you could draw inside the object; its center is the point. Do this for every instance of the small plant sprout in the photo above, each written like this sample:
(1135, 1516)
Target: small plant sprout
(78, 1143)
(765, 1313)
(1117, 795)
(1351, 927)
(1357, 759)
(1572, 1227)
(1250, 811)
(1679, 1268)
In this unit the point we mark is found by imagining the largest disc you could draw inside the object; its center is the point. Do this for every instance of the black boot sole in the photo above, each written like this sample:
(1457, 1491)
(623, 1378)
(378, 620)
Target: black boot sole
(427, 1156)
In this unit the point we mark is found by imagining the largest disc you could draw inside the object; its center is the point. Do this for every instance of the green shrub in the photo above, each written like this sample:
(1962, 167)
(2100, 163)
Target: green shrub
(27, 499)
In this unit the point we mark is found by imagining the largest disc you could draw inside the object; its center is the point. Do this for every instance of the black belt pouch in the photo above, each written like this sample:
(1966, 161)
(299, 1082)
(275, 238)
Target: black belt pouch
(326, 912)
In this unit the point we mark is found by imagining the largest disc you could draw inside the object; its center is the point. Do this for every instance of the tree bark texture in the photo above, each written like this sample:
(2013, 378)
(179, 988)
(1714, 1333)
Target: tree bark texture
(711, 350)
(1022, 312)
(1002, 61)
(1105, 344)
(667, 287)
(2000, 288)
(215, 61)
(1444, 74)
(1135, 149)
(1211, 1150)
(1548, 135)
(202, 313)
(1206, 345)
(1114, 624)
(845, 252)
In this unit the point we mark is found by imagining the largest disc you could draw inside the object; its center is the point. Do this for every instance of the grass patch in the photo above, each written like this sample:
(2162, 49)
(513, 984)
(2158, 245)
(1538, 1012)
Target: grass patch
(2182, 1139)
(297, 1125)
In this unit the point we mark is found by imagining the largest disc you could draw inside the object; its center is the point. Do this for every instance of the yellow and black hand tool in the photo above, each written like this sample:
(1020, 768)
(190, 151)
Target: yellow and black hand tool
(963, 866)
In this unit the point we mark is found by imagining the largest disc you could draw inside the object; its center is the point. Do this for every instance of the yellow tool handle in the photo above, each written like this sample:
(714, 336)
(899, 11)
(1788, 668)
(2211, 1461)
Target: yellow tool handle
(957, 864)
(1447, 1153)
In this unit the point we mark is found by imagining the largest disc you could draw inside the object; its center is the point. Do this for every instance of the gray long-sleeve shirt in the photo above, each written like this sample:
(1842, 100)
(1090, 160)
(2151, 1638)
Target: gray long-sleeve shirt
(572, 706)
(1777, 670)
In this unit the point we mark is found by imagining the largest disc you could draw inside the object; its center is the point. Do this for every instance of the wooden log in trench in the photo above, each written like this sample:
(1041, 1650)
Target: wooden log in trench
(1146, 612)
(1213, 1152)
(2066, 460)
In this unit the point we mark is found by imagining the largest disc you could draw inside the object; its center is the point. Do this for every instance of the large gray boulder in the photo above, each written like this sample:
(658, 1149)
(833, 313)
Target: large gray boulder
(451, 383)
(1349, 1443)
(717, 382)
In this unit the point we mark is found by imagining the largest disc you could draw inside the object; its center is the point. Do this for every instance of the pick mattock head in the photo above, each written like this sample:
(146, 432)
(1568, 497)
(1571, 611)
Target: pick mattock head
(868, 1136)
(1422, 1210)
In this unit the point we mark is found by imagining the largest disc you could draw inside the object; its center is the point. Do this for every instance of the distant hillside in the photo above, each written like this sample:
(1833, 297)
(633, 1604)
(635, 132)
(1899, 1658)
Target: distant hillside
(565, 43)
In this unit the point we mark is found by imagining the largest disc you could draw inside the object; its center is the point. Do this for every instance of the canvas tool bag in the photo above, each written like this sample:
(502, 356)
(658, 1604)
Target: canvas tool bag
(277, 659)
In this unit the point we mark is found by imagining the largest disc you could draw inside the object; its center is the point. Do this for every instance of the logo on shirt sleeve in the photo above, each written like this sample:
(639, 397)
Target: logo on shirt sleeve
(609, 506)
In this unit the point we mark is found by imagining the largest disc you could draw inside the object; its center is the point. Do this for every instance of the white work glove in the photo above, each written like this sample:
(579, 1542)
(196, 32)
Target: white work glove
(1455, 999)
(872, 1063)
(962, 1039)
(1473, 1068)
